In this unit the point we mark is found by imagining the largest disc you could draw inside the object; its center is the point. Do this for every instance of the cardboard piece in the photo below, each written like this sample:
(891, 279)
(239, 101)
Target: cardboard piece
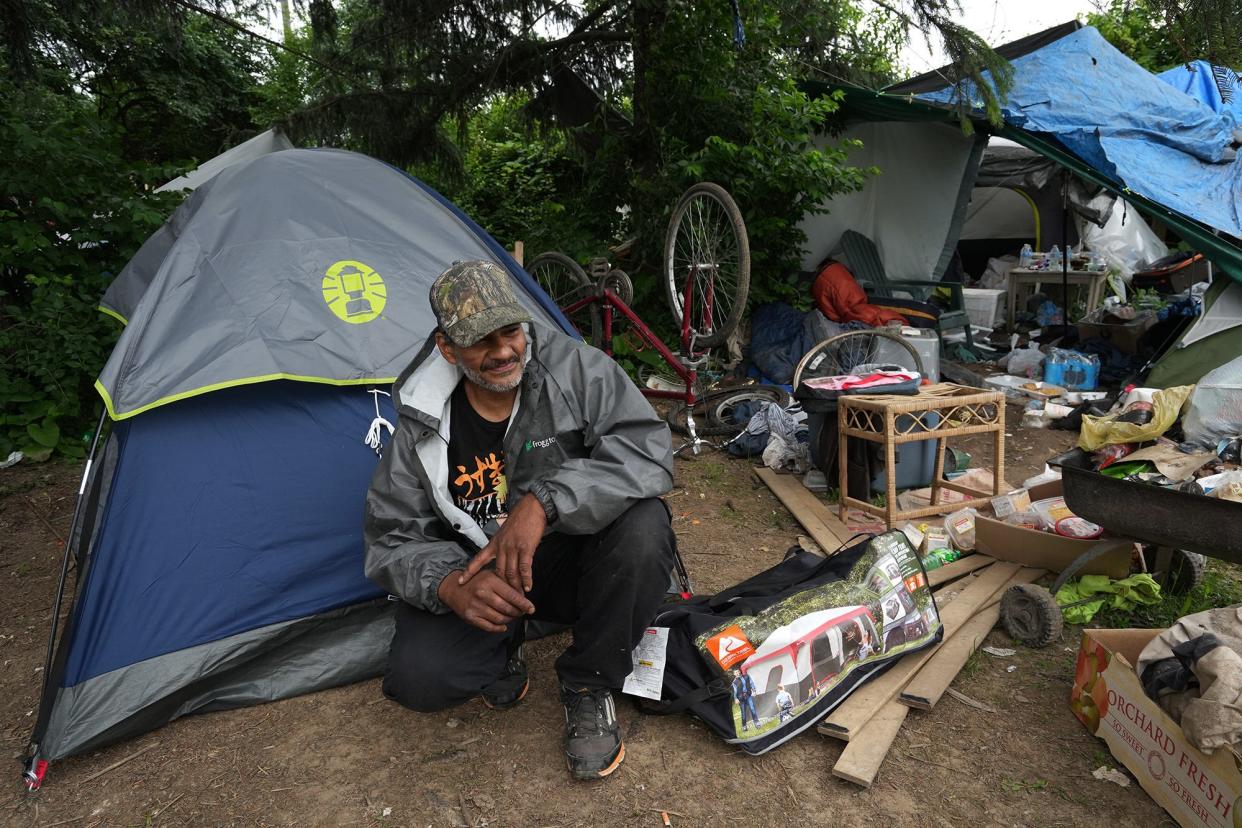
(1172, 462)
(1032, 547)
(1196, 789)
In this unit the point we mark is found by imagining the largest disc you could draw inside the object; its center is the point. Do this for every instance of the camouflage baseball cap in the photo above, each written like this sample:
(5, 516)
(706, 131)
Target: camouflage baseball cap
(472, 299)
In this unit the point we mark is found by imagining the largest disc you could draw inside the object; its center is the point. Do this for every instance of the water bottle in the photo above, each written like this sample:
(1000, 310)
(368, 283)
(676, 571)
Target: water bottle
(1054, 258)
(1026, 256)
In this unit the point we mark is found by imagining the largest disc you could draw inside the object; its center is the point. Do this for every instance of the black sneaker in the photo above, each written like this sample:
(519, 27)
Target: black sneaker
(511, 687)
(593, 746)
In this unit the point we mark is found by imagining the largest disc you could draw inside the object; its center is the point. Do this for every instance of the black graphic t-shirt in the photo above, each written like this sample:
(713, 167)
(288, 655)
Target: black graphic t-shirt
(476, 458)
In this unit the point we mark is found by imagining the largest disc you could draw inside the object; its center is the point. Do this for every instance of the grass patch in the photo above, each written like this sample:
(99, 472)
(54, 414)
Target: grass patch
(1221, 587)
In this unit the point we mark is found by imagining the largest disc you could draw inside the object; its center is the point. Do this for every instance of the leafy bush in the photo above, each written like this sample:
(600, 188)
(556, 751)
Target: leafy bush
(72, 213)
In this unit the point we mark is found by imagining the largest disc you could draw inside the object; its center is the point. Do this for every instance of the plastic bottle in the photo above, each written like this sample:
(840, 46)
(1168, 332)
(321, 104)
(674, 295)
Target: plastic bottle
(1026, 256)
(1054, 258)
(939, 557)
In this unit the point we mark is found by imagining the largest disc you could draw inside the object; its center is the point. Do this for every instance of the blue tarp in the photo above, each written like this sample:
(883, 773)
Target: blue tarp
(1128, 124)
(1218, 87)
(228, 512)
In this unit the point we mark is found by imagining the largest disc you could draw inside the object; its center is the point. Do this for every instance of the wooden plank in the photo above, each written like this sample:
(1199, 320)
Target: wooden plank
(849, 717)
(814, 515)
(876, 736)
(926, 688)
(956, 569)
(861, 759)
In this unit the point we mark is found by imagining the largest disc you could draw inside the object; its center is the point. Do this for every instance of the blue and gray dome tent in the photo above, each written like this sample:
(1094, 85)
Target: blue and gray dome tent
(217, 539)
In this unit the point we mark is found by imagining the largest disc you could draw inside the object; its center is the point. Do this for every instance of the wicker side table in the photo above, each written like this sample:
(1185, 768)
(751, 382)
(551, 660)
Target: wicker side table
(891, 420)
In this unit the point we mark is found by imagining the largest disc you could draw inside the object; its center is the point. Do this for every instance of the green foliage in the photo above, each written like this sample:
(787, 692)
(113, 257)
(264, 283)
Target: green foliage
(1221, 587)
(1160, 34)
(1135, 29)
(74, 211)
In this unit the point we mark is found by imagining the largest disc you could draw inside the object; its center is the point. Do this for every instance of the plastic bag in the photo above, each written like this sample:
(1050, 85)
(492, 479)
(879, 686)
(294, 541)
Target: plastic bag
(1107, 430)
(1026, 362)
(1214, 412)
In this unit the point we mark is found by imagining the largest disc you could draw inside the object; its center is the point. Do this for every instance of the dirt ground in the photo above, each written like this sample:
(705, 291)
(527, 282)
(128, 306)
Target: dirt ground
(347, 757)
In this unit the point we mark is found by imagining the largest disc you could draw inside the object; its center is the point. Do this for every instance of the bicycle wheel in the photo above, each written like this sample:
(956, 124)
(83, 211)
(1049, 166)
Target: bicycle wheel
(707, 241)
(566, 282)
(719, 412)
(845, 353)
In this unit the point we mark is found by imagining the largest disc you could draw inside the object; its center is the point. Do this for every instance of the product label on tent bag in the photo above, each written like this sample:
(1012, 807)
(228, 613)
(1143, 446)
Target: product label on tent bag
(781, 660)
(647, 678)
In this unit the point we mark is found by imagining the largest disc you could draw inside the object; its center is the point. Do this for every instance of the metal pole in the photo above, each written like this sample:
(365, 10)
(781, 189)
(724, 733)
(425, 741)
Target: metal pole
(1065, 257)
(64, 564)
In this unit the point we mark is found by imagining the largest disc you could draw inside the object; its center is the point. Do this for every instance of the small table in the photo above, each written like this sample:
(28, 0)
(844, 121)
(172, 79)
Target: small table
(1094, 280)
(892, 419)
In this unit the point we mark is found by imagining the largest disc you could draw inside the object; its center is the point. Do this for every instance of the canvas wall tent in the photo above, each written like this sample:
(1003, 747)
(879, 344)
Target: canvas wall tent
(1121, 129)
(218, 541)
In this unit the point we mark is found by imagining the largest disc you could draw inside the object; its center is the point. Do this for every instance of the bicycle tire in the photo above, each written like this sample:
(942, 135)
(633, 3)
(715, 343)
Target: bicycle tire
(711, 412)
(826, 345)
(697, 204)
(566, 282)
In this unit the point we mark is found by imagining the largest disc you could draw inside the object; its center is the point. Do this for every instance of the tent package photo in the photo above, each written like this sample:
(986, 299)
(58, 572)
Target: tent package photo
(216, 550)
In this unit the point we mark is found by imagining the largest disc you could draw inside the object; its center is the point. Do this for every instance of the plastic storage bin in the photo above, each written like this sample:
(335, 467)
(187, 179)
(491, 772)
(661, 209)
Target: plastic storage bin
(926, 344)
(985, 306)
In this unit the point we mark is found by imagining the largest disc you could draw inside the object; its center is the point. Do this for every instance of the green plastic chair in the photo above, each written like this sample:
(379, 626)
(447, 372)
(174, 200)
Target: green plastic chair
(863, 260)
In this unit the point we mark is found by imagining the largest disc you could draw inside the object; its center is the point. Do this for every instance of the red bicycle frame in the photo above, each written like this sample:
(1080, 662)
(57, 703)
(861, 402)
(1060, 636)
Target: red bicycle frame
(684, 368)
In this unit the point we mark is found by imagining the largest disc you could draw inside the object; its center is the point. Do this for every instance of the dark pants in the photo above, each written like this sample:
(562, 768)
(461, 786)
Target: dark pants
(608, 586)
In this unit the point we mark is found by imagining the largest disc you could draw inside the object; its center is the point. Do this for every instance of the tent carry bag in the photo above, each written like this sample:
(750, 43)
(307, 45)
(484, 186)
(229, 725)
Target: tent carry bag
(765, 659)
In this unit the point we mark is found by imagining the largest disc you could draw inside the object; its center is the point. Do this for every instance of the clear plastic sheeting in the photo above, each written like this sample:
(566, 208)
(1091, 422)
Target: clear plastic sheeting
(1214, 412)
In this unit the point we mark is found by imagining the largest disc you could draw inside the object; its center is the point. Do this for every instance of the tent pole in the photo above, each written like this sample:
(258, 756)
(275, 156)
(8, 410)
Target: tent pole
(1065, 257)
(64, 564)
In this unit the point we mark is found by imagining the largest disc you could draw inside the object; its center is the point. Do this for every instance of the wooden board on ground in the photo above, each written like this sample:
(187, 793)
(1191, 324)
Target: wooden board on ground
(861, 759)
(867, 700)
(864, 764)
(926, 688)
(820, 523)
(958, 568)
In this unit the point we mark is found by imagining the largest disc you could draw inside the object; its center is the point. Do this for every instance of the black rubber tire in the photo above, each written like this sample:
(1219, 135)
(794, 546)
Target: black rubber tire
(694, 200)
(566, 282)
(1030, 614)
(711, 411)
(1186, 571)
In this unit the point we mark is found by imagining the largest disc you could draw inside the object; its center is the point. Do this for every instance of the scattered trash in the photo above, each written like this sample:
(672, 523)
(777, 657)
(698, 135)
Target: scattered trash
(387, 812)
(12, 460)
(1011, 668)
(999, 652)
(1106, 774)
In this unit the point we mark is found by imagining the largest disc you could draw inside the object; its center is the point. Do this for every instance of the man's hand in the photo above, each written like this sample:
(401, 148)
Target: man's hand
(513, 547)
(485, 600)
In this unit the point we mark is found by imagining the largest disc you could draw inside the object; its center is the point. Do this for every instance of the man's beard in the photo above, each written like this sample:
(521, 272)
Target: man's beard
(497, 388)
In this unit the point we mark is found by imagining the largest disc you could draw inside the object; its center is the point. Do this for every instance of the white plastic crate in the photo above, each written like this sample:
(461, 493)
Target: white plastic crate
(985, 306)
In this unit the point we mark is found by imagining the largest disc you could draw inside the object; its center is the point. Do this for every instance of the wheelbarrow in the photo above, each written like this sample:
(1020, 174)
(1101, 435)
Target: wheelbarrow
(1186, 529)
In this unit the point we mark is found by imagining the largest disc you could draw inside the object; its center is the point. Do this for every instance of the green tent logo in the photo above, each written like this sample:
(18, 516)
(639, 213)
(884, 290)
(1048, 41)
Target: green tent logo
(354, 292)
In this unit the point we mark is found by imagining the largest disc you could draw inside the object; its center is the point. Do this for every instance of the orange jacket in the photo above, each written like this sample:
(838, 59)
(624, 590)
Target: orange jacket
(841, 299)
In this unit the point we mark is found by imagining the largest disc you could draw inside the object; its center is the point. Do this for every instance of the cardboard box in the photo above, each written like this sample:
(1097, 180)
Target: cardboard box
(1196, 789)
(1031, 547)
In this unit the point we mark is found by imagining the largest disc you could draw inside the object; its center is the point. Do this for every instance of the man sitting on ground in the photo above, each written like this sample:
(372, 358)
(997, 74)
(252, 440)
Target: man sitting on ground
(523, 480)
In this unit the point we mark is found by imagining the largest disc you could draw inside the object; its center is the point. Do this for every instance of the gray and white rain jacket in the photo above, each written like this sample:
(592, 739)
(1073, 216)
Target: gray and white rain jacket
(581, 438)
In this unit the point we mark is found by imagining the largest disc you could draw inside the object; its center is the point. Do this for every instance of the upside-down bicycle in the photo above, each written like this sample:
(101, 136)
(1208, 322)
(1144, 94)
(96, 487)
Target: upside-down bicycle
(706, 278)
